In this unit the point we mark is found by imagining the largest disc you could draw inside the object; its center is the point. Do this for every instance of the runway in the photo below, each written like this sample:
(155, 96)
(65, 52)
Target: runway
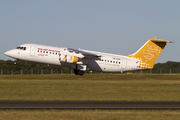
(88, 105)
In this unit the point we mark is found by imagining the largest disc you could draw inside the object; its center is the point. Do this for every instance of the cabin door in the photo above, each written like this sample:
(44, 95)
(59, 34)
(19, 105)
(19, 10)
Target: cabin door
(124, 64)
(33, 49)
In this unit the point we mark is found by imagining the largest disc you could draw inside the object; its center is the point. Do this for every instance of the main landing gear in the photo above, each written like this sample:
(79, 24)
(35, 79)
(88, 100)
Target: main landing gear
(14, 62)
(78, 72)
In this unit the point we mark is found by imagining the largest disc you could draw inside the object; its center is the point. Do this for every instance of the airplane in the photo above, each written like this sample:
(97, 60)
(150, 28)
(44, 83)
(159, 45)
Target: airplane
(82, 60)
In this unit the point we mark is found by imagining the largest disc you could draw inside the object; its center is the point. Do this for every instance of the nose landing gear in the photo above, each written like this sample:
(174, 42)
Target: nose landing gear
(14, 62)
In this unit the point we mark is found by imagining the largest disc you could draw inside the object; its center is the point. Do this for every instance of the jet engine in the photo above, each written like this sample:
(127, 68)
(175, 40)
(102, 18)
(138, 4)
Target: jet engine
(68, 58)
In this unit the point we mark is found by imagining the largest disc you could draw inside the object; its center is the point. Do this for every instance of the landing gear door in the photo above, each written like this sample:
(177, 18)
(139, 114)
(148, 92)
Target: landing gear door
(33, 49)
(81, 67)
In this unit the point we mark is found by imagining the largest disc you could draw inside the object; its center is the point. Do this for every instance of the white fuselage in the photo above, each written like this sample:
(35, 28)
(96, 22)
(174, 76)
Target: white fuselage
(51, 55)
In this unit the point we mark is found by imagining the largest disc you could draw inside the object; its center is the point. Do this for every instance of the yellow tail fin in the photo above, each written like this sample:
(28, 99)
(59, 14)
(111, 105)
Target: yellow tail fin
(149, 52)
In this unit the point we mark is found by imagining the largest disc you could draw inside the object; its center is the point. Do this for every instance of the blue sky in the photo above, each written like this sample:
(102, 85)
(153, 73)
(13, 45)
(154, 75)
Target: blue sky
(112, 26)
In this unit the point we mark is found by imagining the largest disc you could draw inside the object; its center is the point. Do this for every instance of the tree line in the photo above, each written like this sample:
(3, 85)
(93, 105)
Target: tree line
(23, 67)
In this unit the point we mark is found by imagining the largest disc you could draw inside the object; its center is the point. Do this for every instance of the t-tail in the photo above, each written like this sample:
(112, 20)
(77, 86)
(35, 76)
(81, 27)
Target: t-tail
(149, 52)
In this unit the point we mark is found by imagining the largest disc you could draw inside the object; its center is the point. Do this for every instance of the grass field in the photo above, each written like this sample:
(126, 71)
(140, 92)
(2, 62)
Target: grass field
(89, 115)
(108, 87)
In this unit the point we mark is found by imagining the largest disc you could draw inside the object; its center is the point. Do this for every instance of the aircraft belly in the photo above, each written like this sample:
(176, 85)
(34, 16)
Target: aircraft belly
(110, 68)
(94, 66)
(102, 67)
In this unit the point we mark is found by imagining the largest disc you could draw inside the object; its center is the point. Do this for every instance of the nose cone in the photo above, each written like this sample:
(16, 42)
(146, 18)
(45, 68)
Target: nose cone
(8, 53)
(12, 53)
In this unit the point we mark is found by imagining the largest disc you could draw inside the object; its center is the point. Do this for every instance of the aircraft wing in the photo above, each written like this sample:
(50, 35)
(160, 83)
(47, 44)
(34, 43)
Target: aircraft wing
(84, 53)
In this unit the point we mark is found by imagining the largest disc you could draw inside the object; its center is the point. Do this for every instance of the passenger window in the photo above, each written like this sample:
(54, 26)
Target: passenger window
(46, 51)
(56, 53)
(37, 50)
(43, 51)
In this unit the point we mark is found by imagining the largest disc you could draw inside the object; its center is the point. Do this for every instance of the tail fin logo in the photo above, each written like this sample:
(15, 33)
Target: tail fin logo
(149, 53)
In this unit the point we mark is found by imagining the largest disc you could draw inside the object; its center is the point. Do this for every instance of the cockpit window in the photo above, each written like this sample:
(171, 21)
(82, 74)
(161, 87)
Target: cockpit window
(21, 48)
(18, 47)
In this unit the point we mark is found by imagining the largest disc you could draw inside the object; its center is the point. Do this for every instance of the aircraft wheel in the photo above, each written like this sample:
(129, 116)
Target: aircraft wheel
(81, 72)
(76, 72)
